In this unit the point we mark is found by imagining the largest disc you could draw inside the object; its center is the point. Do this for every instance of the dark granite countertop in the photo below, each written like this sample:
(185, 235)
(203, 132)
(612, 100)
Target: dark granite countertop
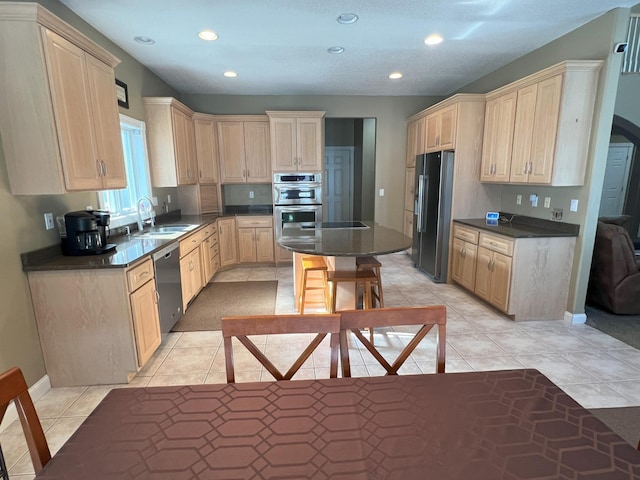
(345, 242)
(519, 226)
(129, 249)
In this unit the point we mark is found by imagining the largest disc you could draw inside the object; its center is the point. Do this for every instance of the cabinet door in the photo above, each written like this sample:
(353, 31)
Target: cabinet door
(409, 188)
(246, 245)
(205, 260)
(146, 321)
(545, 130)
(447, 134)
(227, 242)
(464, 263)
(432, 136)
(411, 144)
(206, 150)
(191, 160)
(195, 270)
(421, 133)
(491, 119)
(186, 281)
(232, 155)
(523, 134)
(500, 281)
(71, 104)
(106, 122)
(264, 245)
(183, 142)
(283, 144)
(310, 144)
(483, 273)
(257, 151)
(408, 223)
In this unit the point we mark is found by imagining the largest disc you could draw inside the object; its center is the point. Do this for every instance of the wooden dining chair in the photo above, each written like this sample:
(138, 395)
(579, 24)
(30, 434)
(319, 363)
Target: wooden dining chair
(241, 327)
(13, 387)
(427, 317)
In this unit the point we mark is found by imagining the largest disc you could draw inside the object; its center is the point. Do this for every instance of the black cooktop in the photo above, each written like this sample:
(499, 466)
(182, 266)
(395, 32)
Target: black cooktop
(327, 225)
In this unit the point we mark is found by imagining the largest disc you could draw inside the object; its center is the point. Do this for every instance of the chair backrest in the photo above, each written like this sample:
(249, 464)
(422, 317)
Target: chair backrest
(241, 327)
(426, 317)
(13, 387)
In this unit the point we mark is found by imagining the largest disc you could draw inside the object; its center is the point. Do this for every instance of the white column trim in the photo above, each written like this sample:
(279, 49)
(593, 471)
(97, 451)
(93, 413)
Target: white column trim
(575, 318)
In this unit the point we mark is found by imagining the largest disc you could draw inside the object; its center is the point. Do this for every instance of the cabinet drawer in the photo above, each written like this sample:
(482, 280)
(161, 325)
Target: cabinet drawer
(465, 233)
(207, 231)
(214, 250)
(496, 243)
(254, 222)
(138, 276)
(191, 242)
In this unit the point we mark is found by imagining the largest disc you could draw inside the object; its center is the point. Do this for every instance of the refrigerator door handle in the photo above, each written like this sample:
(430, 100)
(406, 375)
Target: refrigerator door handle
(420, 205)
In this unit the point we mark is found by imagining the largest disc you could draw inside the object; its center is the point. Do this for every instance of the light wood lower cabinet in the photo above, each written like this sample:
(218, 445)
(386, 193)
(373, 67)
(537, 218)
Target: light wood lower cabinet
(96, 326)
(227, 241)
(527, 278)
(255, 239)
(191, 275)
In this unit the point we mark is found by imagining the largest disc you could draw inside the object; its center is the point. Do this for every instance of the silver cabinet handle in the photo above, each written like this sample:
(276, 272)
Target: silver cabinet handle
(99, 167)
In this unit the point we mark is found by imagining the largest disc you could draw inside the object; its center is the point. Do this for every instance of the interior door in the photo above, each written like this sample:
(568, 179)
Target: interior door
(616, 177)
(338, 184)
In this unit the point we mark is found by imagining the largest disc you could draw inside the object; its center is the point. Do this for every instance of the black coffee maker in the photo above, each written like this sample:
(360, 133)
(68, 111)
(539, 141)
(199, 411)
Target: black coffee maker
(84, 235)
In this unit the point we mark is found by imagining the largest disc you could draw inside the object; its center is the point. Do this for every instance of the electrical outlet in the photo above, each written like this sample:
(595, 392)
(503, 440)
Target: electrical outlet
(251, 194)
(518, 199)
(547, 202)
(574, 205)
(534, 200)
(154, 201)
(48, 221)
(168, 198)
(556, 214)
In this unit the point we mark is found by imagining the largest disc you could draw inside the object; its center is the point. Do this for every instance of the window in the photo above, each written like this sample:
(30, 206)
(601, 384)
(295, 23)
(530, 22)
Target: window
(122, 204)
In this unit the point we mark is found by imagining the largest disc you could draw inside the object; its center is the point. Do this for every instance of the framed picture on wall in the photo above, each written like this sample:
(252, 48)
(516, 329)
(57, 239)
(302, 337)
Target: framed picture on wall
(122, 93)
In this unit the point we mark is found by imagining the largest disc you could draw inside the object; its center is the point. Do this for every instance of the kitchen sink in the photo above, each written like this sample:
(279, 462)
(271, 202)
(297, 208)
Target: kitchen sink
(166, 232)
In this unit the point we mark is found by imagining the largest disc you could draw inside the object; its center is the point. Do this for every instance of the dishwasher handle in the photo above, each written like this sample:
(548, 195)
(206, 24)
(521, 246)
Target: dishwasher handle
(166, 251)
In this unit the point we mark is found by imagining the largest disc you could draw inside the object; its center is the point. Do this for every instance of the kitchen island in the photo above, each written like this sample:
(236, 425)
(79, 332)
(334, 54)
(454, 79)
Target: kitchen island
(340, 243)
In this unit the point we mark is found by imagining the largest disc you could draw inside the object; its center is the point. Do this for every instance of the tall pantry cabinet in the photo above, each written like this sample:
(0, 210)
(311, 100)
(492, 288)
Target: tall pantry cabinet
(60, 127)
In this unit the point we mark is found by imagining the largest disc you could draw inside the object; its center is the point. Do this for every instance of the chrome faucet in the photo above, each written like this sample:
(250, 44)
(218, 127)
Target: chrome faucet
(152, 212)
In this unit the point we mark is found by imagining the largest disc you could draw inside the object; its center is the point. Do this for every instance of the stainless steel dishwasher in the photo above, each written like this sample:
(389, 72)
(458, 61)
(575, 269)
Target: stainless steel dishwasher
(167, 263)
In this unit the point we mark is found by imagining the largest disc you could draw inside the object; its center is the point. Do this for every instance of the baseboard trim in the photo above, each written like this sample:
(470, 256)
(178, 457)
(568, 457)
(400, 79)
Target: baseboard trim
(575, 318)
(37, 391)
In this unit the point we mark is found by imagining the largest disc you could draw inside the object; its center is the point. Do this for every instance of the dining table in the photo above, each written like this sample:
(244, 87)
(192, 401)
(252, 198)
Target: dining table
(509, 424)
(340, 243)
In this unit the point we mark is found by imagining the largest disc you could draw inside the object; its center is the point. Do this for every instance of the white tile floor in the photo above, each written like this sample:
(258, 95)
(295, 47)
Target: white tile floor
(594, 368)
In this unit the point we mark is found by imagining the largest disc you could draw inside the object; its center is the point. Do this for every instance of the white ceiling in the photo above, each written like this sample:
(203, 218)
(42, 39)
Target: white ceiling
(279, 47)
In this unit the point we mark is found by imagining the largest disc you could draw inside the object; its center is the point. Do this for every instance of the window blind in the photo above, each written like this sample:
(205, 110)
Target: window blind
(631, 60)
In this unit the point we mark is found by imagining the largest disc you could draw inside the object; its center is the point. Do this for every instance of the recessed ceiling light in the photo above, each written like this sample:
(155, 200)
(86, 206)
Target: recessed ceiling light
(433, 39)
(230, 74)
(208, 35)
(335, 49)
(347, 18)
(144, 40)
(395, 75)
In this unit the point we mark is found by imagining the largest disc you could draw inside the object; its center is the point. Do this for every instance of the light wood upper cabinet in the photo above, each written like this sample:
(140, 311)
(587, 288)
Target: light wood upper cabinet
(440, 130)
(60, 127)
(206, 137)
(244, 151)
(550, 130)
(421, 134)
(297, 140)
(171, 141)
(498, 138)
(412, 128)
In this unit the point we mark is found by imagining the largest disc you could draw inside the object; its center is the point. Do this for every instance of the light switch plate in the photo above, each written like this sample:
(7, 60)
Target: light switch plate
(547, 202)
(382, 192)
(518, 199)
(574, 205)
(48, 221)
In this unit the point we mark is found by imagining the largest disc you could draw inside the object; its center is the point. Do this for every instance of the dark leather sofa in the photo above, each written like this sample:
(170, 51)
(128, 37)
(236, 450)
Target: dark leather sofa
(614, 282)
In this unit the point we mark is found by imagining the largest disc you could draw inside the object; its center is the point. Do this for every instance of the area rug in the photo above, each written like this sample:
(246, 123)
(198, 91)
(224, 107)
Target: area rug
(625, 328)
(625, 421)
(227, 299)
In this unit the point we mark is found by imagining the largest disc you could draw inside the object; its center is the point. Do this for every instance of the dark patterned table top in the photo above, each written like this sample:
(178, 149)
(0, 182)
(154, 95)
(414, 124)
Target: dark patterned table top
(483, 425)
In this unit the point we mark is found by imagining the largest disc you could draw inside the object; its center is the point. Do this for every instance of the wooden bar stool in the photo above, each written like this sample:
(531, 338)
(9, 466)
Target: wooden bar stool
(358, 277)
(370, 262)
(313, 264)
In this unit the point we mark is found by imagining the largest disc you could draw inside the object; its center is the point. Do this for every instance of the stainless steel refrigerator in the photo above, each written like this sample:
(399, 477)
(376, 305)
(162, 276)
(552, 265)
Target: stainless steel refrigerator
(432, 213)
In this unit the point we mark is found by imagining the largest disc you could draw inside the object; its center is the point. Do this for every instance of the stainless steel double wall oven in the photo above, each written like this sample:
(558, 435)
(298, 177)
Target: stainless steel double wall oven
(297, 200)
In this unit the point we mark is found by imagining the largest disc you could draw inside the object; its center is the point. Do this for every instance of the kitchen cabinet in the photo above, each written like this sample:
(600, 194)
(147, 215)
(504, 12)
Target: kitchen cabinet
(108, 314)
(409, 188)
(411, 144)
(527, 278)
(498, 138)
(191, 267)
(171, 142)
(206, 143)
(440, 130)
(463, 256)
(227, 241)
(408, 223)
(206, 252)
(545, 139)
(255, 239)
(244, 151)
(297, 140)
(61, 130)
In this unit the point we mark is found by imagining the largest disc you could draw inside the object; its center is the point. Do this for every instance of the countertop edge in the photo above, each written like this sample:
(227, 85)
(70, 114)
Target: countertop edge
(522, 230)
